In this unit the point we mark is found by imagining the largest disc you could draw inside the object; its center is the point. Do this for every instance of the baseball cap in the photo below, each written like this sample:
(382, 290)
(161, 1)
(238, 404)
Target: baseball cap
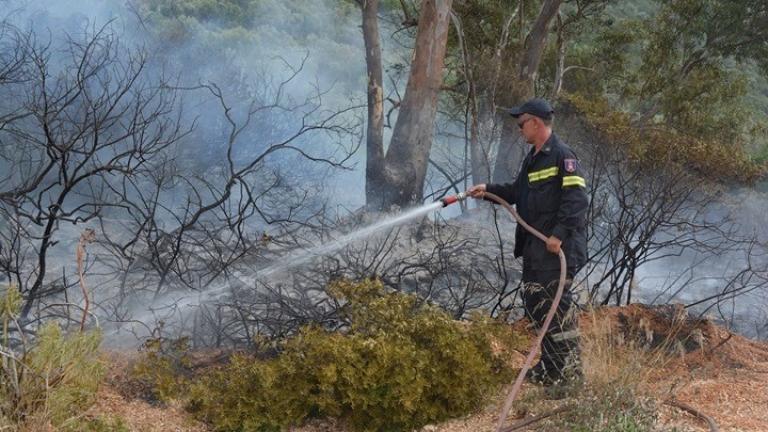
(535, 107)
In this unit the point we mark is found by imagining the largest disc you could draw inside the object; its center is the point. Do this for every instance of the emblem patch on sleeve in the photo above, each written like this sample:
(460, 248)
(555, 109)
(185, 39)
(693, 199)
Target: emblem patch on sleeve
(571, 165)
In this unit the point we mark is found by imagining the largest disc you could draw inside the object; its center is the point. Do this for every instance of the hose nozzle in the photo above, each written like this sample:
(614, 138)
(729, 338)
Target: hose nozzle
(453, 199)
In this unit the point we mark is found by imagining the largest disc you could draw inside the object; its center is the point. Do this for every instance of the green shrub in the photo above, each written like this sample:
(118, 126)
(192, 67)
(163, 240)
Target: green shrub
(606, 409)
(161, 374)
(617, 393)
(397, 366)
(53, 380)
(98, 424)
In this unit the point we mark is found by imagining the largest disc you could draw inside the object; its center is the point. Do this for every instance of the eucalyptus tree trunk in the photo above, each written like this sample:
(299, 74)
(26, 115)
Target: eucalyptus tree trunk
(396, 177)
(375, 180)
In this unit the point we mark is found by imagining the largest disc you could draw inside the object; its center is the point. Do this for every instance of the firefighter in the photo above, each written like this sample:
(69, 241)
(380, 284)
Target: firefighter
(549, 194)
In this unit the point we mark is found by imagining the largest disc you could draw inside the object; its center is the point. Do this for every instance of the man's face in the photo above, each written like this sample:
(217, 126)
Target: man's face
(527, 124)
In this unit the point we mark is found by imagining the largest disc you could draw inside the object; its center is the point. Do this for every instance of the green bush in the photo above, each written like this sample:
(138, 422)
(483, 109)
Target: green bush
(617, 393)
(615, 409)
(98, 424)
(397, 365)
(52, 381)
(161, 374)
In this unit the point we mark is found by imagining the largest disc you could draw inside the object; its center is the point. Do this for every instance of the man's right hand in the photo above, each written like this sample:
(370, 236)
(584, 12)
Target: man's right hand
(476, 191)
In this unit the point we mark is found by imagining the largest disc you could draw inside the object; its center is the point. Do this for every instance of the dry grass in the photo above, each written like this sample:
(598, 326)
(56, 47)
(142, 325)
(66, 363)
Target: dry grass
(624, 354)
(633, 361)
(613, 356)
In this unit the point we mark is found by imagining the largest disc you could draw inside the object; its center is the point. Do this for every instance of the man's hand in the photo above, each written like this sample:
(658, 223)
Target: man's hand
(476, 191)
(553, 244)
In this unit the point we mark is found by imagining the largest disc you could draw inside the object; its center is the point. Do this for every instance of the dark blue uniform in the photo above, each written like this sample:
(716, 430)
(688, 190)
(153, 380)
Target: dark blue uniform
(550, 194)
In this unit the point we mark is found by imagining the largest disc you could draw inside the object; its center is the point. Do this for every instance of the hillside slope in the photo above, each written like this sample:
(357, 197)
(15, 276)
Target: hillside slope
(666, 353)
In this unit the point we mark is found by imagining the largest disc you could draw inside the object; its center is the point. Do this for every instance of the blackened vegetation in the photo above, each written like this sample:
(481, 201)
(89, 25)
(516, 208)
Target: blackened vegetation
(93, 135)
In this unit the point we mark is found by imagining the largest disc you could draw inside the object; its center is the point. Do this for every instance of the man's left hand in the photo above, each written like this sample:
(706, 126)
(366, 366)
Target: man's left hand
(553, 244)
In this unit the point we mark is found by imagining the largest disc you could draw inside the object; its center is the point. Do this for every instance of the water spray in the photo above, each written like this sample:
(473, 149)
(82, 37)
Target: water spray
(300, 257)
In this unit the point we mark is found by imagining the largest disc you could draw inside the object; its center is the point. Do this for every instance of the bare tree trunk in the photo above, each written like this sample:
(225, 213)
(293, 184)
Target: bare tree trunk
(536, 40)
(478, 156)
(481, 166)
(492, 109)
(560, 68)
(530, 59)
(405, 164)
(375, 180)
(408, 153)
(512, 150)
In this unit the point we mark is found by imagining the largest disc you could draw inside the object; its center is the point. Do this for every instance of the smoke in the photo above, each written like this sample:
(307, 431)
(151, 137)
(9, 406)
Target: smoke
(311, 54)
(689, 277)
(306, 58)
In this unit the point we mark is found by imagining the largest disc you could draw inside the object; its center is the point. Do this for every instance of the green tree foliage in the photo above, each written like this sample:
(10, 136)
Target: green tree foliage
(692, 66)
(250, 45)
(482, 23)
(494, 36)
(253, 20)
(652, 147)
(688, 72)
(584, 28)
(247, 13)
(397, 365)
(51, 382)
(228, 13)
(685, 65)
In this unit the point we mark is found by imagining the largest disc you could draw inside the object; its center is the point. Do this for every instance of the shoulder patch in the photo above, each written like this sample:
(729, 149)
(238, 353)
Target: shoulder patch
(570, 165)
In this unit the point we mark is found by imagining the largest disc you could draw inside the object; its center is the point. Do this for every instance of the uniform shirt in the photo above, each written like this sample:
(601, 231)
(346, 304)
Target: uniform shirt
(550, 194)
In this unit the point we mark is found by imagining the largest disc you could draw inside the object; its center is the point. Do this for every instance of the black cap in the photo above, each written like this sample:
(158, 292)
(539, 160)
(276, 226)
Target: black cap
(535, 107)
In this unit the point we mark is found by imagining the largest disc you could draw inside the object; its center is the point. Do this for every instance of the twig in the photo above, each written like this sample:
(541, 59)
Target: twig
(85, 312)
(721, 343)
(11, 356)
(88, 236)
(691, 410)
(537, 418)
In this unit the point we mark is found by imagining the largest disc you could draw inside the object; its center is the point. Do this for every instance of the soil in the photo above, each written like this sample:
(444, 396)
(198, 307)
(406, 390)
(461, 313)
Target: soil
(720, 374)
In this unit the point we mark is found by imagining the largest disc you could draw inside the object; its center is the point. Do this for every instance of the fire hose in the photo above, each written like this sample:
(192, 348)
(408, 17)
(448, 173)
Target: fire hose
(550, 315)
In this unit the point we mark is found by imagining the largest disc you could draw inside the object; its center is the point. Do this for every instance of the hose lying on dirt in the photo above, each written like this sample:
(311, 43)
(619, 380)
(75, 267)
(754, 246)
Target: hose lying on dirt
(524, 423)
(696, 413)
(548, 320)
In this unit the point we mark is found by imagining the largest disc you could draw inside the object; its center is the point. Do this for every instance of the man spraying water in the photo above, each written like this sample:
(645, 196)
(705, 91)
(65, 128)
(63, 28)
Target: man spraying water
(550, 194)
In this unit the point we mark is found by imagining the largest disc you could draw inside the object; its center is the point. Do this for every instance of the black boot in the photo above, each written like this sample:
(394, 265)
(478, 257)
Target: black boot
(561, 356)
(542, 375)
